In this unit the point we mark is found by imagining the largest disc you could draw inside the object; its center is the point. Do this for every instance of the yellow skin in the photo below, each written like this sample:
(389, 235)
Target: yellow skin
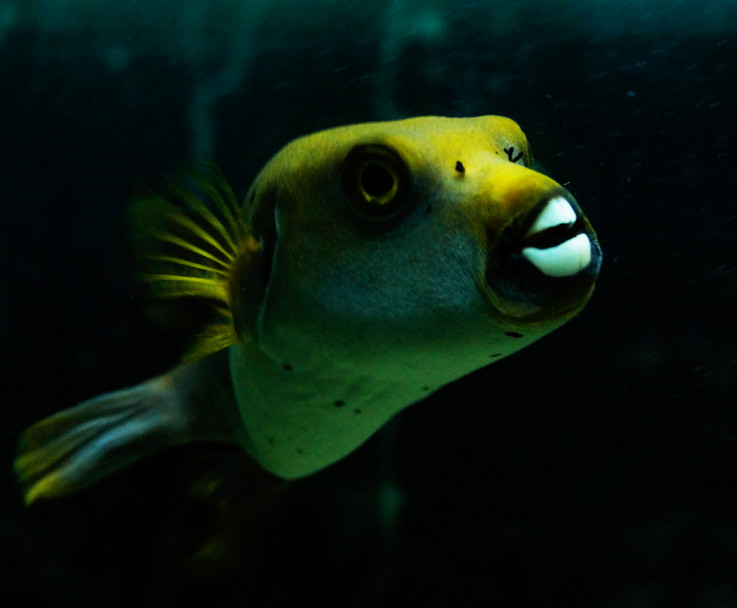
(374, 264)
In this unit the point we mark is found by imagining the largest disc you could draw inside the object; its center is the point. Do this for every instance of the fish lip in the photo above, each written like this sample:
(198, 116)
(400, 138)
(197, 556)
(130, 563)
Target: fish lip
(522, 289)
(516, 237)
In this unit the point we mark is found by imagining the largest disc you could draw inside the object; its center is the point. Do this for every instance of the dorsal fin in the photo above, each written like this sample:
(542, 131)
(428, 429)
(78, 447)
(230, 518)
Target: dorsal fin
(190, 235)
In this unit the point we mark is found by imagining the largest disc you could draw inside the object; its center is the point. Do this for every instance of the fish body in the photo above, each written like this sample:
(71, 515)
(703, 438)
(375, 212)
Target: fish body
(368, 266)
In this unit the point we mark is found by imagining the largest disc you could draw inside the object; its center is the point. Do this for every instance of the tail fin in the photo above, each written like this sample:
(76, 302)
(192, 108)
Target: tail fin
(76, 447)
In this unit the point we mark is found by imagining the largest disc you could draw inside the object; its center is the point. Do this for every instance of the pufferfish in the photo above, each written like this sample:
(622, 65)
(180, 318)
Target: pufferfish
(368, 266)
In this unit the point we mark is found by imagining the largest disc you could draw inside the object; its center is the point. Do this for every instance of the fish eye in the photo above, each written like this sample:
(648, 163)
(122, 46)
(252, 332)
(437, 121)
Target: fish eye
(376, 182)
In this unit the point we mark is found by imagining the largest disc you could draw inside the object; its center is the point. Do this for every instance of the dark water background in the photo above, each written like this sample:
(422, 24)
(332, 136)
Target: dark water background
(597, 468)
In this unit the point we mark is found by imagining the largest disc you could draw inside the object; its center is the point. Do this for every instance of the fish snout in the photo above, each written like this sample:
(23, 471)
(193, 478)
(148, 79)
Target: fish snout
(546, 262)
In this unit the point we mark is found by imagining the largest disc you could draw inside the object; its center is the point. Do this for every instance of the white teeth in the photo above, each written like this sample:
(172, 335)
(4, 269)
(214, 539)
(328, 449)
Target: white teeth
(564, 260)
(558, 211)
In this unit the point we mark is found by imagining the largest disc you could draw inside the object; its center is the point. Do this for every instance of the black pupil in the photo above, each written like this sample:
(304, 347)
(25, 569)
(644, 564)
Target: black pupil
(376, 180)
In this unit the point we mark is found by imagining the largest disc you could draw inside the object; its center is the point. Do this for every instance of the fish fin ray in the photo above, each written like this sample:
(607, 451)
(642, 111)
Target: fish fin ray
(191, 237)
(78, 446)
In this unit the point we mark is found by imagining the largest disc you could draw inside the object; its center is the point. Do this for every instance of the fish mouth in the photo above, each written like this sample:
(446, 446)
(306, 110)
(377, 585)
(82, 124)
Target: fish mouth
(546, 262)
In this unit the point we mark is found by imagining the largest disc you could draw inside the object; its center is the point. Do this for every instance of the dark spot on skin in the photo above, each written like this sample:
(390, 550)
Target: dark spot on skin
(492, 355)
(300, 451)
(425, 388)
(513, 334)
(459, 167)
(287, 368)
(339, 403)
(356, 411)
(270, 440)
(511, 156)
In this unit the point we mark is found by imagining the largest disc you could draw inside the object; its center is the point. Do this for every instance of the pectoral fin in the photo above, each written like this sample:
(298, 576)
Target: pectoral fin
(193, 242)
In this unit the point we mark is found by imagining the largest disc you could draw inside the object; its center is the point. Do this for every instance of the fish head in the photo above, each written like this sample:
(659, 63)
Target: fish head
(425, 244)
